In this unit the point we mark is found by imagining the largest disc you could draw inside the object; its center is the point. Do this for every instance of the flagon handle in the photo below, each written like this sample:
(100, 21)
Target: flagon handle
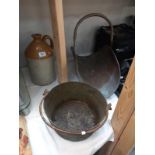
(47, 37)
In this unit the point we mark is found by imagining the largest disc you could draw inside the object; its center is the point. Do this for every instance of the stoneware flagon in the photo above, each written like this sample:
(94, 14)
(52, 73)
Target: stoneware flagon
(40, 59)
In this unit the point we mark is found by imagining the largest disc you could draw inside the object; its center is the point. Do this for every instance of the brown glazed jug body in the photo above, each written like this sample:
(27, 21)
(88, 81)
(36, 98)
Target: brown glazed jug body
(40, 59)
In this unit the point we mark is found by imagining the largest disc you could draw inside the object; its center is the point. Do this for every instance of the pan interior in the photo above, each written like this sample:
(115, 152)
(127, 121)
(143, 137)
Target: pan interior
(74, 115)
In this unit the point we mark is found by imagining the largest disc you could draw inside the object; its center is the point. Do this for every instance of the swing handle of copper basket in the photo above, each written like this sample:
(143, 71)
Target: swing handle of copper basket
(88, 16)
(75, 34)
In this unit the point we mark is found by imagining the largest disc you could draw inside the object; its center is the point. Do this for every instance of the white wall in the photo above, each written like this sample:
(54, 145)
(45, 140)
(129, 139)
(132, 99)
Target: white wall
(35, 18)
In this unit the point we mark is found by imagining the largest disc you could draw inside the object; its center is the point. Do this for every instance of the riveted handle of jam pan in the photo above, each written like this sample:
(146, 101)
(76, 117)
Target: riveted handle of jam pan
(41, 107)
(45, 92)
(109, 106)
(47, 37)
